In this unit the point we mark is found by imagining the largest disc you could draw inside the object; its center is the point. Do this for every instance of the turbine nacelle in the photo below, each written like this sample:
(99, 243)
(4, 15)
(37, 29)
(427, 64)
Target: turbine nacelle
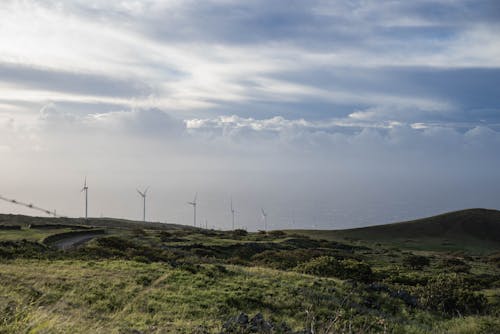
(85, 187)
(86, 190)
(194, 203)
(264, 217)
(143, 193)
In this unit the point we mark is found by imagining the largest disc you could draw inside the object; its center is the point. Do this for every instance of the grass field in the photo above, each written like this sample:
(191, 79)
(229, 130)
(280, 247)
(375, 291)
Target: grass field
(473, 231)
(174, 280)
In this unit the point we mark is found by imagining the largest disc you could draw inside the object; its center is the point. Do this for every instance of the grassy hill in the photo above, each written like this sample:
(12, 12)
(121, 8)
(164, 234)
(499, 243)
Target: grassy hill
(137, 277)
(476, 230)
(37, 222)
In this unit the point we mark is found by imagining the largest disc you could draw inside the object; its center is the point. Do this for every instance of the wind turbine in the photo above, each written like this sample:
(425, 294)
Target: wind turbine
(264, 216)
(193, 203)
(86, 190)
(143, 195)
(232, 213)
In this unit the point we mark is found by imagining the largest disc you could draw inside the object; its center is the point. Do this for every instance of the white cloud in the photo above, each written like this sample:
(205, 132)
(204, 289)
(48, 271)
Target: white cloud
(201, 74)
(221, 95)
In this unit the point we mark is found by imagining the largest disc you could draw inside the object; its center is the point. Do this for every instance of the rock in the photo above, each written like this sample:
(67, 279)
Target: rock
(242, 319)
(259, 325)
(201, 330)
(406, 297)
(235, 324)
(378, 287)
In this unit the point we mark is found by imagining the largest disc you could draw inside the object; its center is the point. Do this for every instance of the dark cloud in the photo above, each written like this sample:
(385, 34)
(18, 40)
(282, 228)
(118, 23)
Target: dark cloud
(72, 82)
(316, 23)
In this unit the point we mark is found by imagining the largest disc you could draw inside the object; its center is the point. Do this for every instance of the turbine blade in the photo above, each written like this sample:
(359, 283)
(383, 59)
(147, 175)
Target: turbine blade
(84, 185)
(195, 197)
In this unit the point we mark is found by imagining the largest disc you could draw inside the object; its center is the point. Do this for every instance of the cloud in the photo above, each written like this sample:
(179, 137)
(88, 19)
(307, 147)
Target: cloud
(145, 123)
(338, 103)
(232, 56)
(70, 82)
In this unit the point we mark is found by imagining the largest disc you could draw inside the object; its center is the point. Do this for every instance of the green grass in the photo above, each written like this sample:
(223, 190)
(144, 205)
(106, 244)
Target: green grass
(473, 231)
(119, 295)
(192, 281)
(29, 234)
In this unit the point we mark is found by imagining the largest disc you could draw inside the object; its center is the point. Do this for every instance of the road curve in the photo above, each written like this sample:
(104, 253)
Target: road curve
(74, 241)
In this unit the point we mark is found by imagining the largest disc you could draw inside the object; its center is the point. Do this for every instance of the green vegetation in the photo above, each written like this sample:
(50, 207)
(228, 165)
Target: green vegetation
(134, 278)
(474, 231)
(451, 294)
(416, 262)
(330, 266)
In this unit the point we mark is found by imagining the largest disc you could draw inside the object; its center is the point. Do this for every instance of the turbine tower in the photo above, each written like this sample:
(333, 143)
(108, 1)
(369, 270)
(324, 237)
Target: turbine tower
(264, 216)
(232, 213)
(143, 195)
(86, 190)
(193, 203)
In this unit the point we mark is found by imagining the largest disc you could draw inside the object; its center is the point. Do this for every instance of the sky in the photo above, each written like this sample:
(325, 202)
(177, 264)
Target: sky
(326, 114)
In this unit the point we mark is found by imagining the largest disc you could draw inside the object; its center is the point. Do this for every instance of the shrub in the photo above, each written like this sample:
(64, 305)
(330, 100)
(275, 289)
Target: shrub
(449, 295)
(412, 278)
(344, 269)
(277, 234)
(285, 259)
(240, 232)
(357, 270)
(455, 265)
(139, 232)
(495, 259)
(165, 236)
(416, 262)
(114, 242)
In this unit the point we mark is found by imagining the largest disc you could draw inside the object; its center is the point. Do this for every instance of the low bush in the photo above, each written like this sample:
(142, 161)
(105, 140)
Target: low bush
(165, 236)
(495, 259)
(455, 265)
(276, 234)
(416, 262)
(411, 279)
(116, 247)
(24, 249)
(449, 294)
(139, 232)
(240, 232)
(344, 269)
(286, 259)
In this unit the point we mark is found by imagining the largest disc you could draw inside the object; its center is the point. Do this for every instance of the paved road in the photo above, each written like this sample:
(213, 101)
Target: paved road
(73, 241)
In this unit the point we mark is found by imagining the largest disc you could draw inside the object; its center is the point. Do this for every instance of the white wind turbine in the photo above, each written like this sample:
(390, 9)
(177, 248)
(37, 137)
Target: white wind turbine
(143, 195)
(264, 217)
(232, 214)
(86, 190)
(193, 203)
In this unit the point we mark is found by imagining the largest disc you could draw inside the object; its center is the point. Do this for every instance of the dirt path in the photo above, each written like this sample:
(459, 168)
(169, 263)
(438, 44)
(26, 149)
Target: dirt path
(73, 241)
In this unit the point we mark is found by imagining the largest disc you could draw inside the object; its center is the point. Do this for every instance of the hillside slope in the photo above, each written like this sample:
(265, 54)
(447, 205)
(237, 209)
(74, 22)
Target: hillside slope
(46, 222)
(471, 229)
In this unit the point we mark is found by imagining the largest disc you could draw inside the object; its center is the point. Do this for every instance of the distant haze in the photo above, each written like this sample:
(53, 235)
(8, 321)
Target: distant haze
(326, 114)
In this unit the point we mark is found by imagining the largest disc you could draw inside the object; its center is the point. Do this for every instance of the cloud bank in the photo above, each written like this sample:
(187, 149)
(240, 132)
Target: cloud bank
(332, 114)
